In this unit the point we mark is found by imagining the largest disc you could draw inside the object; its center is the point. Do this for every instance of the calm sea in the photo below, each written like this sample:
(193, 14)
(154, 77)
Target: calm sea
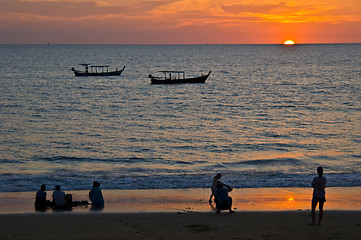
(267, 116)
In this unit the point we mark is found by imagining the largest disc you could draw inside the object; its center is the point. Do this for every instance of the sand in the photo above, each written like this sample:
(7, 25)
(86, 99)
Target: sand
(186, 214)
(241, 225)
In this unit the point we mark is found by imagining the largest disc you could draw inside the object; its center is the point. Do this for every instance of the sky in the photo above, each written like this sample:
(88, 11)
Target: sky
(179, 21)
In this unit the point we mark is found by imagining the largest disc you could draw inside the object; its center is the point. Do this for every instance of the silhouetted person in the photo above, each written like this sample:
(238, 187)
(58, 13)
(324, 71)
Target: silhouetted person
(96, 196)
(59, 198)
(223, 201)
(214, 185)
(319, 185)
(69, 201)
(40, 198)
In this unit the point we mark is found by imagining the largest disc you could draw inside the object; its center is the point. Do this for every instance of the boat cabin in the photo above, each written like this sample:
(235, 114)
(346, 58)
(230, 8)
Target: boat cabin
(169, 75)
(94, 69)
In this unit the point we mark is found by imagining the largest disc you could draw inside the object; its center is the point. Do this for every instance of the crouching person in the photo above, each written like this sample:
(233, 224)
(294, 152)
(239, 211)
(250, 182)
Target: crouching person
(223, 201)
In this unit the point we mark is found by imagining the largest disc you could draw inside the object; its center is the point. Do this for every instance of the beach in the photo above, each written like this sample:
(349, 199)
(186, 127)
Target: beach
(265, 213)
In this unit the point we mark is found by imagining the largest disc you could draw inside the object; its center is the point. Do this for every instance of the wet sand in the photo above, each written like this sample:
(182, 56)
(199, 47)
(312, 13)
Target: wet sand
(195, 200)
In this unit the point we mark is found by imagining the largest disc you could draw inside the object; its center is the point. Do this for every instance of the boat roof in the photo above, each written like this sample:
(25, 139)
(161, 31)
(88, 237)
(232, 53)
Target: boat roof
(172, 71)
(89, 64)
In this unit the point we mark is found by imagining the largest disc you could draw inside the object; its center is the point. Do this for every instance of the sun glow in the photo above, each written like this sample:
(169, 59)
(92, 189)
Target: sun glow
(289, 42)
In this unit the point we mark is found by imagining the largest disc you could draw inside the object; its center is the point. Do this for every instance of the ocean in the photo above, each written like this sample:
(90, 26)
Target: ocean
(267, 116)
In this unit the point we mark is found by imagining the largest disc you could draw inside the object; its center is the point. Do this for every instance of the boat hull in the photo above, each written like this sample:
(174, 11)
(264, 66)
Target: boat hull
(201, 79)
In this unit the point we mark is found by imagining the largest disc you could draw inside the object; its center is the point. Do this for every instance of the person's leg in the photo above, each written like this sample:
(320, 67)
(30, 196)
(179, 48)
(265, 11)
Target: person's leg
(210, 198)
(313, 211)
(230, 204)
(321, 212)
(218, 207)
(212, 194)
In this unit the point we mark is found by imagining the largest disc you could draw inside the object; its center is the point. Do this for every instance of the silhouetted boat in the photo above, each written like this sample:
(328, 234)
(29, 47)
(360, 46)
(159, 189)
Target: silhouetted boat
(174, 77)
(96, 71)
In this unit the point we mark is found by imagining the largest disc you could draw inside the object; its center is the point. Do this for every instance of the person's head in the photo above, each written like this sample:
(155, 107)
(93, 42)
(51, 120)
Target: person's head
(43, 187)
(57, 187)
(218, 176)
(320, 171)
(96, 184)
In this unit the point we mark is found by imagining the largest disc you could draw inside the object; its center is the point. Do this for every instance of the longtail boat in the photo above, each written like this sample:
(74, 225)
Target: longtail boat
(96, 71)
(174, 77)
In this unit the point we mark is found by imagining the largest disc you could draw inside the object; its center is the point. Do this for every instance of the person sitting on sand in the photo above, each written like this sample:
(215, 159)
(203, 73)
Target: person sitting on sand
(40, 198)
(214, 185)
(96, 196)
(69, 201)
(223, 201)
(59, 198)
(319, 185)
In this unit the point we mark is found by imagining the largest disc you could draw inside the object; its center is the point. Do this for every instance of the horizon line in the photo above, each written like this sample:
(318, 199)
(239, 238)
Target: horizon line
(155, 44)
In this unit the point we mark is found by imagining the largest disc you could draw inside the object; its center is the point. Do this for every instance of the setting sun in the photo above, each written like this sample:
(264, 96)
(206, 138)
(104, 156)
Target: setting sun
(289, 42)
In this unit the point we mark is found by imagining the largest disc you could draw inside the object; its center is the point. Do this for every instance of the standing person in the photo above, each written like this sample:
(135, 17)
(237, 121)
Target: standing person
(40, 198)
(96, 196)
(214, 185)
(319, 185)
(59, 198)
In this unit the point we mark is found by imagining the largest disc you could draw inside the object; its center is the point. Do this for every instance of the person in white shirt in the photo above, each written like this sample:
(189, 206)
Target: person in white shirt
(59, 198)
(319, 195)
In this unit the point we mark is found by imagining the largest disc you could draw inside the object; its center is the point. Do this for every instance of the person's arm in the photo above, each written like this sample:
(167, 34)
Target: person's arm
(229, 188)
(313, 184)
(91, 194)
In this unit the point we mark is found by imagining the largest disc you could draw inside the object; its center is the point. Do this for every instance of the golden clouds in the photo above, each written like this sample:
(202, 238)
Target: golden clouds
(256, 8)
(304, 11)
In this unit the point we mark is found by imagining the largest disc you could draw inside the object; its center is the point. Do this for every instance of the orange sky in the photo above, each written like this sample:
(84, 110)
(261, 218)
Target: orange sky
(179, 21)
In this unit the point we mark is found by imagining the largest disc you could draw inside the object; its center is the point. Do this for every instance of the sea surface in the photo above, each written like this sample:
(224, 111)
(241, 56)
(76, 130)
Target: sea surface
(267, 116)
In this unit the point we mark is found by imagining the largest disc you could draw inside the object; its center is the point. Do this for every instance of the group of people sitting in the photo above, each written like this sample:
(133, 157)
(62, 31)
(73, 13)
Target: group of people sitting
(220, 192)
(65, 201)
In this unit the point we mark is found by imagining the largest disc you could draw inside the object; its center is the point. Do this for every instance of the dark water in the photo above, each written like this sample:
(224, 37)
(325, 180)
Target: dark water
(267, 116)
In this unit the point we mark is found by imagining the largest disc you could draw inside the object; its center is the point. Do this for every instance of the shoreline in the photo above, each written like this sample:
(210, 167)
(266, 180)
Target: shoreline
(194, 200)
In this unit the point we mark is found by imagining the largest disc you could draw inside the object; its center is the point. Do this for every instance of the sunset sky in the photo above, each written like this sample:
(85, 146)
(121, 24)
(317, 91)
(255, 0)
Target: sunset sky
(179, 21)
